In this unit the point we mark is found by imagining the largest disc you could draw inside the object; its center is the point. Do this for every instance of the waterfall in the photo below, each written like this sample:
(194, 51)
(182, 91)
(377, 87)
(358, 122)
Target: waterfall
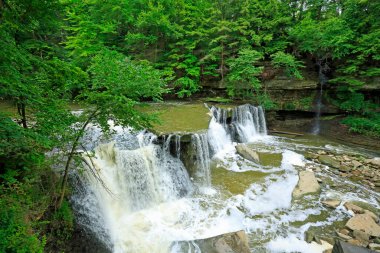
(319, 105)
(218, 136)
(170, 148)
(246, 123)
(131, 181)
(199, 144)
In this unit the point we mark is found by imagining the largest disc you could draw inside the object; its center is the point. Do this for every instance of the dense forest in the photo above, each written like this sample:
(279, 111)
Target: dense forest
(110, 56)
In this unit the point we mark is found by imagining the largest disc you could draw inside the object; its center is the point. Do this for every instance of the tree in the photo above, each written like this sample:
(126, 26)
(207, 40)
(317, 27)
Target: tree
(117, 86)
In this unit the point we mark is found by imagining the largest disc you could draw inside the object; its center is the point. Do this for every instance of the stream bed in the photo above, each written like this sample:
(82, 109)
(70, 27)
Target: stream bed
(148, 200)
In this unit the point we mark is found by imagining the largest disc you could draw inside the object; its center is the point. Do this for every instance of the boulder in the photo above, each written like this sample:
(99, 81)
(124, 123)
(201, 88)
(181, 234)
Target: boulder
(343, 247)
(247, 153)
(331, 203)
(235, 242)
(307, 184)
(329, 161)
(374, 162)
(365, 223)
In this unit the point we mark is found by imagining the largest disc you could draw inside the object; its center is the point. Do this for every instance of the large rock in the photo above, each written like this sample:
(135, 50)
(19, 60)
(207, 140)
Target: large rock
(329, 161)
(365, 223)
(247, 153)
(375, 162)
(307, 184)
(343, 247)
(235, 242)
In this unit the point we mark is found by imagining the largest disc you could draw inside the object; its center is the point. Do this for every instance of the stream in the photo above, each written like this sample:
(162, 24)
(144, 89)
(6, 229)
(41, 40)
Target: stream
(148, 201)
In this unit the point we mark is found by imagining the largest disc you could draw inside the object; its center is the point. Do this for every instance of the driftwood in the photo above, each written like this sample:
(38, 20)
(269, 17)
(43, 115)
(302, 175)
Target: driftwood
(283, 132)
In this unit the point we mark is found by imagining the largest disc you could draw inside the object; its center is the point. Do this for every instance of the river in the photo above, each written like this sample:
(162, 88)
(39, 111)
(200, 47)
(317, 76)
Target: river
(149, 200)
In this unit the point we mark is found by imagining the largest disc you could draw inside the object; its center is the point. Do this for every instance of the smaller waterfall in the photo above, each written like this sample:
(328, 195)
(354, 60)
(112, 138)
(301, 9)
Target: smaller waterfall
(199, 144)
(248, 121)
(218, 130)
(319, 105)
(245, 123)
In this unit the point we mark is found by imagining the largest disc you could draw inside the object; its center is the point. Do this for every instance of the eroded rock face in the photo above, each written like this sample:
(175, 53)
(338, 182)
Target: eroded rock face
(247, 153)
(364, 222)
(307, 184)
(235, 242)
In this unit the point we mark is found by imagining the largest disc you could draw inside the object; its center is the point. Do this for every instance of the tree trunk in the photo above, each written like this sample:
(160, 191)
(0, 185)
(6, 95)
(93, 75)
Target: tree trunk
(22, 112)
(70, 158)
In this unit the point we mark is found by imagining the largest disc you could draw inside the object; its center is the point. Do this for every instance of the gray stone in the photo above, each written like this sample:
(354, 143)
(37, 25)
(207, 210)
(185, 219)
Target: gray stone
(365, 223)
(247, 153)
(343, 247)
(329, 161)
(307, 184)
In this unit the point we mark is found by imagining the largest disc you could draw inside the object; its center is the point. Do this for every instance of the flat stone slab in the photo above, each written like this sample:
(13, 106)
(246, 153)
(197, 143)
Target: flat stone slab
(247, 153)
(365, 223)
(307, 184)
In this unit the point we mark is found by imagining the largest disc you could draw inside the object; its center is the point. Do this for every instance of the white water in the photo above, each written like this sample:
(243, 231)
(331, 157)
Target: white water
(150, 204)
(247, 124)
(200, 146)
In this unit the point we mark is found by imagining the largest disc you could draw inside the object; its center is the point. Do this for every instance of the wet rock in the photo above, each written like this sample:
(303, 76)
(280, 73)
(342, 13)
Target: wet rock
(329, 161)
(365, 223)
(247, 153)
(307, 184)
(343, 247)
(331, 203)
(235, 242)
(328, 251)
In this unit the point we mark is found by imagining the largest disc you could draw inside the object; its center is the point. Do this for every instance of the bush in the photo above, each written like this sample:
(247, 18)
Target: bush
(368, 126)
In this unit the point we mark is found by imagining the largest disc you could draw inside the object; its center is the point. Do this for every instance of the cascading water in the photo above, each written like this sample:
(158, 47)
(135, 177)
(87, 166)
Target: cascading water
(142, 199)
(132, 180)
(199, 144)
(247, 122)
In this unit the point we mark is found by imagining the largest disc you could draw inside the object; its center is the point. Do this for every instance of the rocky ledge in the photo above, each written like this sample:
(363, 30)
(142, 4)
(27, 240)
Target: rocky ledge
(355, 167)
